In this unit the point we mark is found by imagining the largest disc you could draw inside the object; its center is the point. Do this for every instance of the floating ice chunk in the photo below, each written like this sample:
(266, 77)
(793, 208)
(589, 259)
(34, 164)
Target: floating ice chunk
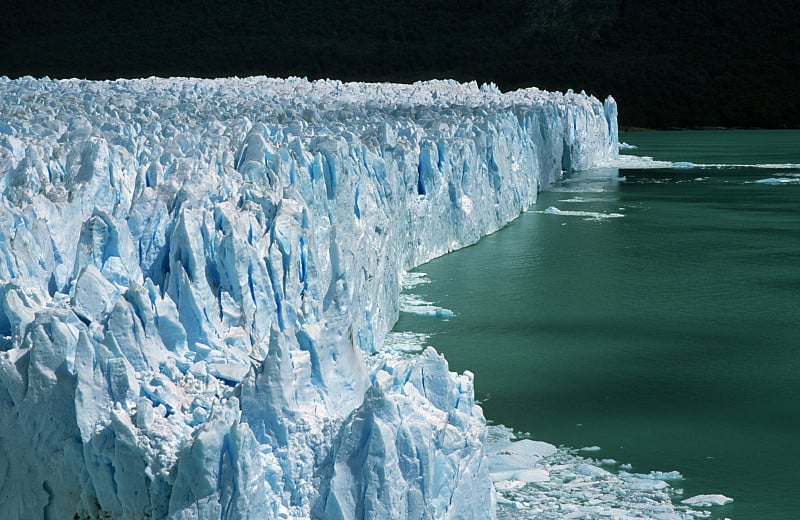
(578, 189)
(521, 475)
(626, 146)
(761, 166)
(635, 162)
(507, 485)
(413, 304)
(530, 448)
(644, 162)
(405, 342)
(411, 280)
(588, 449)
(707, 501)
(779, 180)
(518, 460)
(665, 475)
(575, 200)
(591, 215)
(642, 482)
(592, 471)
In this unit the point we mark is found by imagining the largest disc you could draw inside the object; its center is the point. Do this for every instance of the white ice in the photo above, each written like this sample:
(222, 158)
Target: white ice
(779, 180)
(197, 278)
(413, 304)
(640, 162)
(591, 215)
(707, 501)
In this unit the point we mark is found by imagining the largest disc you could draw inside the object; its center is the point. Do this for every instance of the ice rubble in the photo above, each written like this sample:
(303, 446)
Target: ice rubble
(196, 276)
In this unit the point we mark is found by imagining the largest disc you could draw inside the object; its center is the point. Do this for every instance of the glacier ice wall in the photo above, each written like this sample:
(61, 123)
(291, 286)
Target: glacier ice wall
(196, 277)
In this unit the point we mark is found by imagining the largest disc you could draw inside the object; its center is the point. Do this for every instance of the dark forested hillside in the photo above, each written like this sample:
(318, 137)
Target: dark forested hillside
(669, 64)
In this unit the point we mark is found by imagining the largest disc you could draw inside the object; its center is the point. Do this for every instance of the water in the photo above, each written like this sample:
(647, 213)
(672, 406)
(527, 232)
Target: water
(668, 335)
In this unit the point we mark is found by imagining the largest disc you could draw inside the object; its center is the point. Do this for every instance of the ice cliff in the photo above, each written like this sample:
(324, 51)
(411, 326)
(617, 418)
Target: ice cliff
(196, 277)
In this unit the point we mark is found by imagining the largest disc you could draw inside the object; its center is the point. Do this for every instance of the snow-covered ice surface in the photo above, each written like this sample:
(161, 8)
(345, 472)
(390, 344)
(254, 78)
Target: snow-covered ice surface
(197, 277)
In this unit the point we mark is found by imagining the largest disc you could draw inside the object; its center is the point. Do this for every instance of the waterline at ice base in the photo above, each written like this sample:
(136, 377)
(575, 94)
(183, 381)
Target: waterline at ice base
(197, 278)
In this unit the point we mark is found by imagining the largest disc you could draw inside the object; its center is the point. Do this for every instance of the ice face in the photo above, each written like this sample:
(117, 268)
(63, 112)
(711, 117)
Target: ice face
(196, 275)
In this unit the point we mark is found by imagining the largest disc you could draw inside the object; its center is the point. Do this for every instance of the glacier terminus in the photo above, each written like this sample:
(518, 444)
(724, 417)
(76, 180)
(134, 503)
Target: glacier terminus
(197, 277)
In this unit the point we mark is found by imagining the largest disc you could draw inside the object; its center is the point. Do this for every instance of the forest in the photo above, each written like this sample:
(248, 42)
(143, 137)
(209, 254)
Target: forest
(688, 64)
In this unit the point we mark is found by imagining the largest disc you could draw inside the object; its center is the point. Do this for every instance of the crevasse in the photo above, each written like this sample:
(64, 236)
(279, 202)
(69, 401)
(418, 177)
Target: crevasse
(196, 277)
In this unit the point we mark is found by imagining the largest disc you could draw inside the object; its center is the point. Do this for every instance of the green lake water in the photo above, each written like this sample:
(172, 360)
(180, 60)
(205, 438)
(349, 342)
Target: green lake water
(652, 312)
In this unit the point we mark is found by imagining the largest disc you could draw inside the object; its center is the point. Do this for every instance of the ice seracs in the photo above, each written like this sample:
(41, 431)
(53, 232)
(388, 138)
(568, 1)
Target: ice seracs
(196, 278)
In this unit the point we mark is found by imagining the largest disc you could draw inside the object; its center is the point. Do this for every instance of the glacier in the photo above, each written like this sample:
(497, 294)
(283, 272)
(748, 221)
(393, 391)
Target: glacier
(197, 278)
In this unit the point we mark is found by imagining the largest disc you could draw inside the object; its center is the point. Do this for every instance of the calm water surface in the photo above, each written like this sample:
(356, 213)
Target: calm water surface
(656, 315)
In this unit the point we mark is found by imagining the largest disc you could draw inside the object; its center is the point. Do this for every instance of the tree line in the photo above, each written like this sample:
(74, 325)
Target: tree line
(695, 63)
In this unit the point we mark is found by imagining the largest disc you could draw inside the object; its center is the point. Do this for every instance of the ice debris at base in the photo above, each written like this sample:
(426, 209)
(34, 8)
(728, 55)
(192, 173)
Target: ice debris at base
(197, 276)
(413, 304)
(416, 305)
(535, 480)
(413, 279)
(403, 343)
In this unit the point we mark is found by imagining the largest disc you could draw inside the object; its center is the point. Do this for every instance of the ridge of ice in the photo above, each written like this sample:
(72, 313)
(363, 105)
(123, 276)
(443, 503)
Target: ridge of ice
(196, 276)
